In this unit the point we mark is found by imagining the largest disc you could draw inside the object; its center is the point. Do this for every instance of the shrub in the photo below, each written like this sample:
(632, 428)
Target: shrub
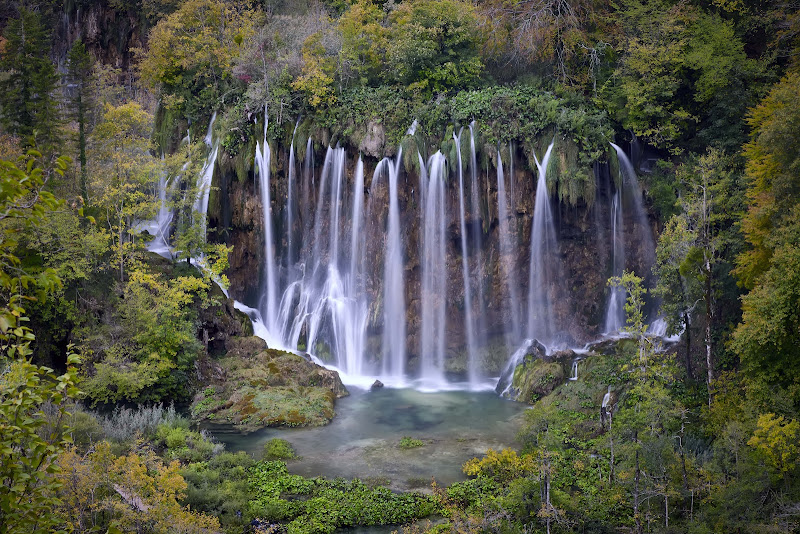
(410, 443)
(278, 449)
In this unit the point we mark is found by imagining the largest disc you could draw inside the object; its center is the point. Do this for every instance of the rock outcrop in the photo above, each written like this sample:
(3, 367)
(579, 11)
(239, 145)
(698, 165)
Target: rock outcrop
(253, 387)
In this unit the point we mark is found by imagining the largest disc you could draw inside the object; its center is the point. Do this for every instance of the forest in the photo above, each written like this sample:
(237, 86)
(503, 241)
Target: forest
(116, 362)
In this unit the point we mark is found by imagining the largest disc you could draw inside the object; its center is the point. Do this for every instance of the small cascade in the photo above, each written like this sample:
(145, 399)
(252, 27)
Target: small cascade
(574, 375)
(544, 253)
(506, 377)
(606, 398)
(394, 309)
(206, 175)
(507, 253)
(469, 324)
(434, 275)
(615, 311)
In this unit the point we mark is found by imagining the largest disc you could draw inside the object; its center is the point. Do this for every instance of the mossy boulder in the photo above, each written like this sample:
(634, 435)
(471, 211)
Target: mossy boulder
(253, 387)
(535, 378)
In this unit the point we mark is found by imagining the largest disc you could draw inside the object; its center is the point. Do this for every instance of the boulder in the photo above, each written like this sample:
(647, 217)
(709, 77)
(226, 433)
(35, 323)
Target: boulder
(253, 389)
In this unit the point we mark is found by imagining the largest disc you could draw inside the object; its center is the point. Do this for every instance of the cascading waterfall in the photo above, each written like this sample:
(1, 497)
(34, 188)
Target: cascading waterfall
(631, 183)
(468, 322)
(338, 287)
(476, 231)
(269, 306)
(507, 254)
(615, 311)
(544, 252)
(206, 175)
(434, 275)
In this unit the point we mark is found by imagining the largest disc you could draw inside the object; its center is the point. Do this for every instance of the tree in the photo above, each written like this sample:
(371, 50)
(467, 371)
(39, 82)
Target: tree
(648, 415)
(779, 441)
(191, 53)
(316, 80)
(773, 185)
(434, 45)
(693, 254)
(26, 91)
(363, 42)
(80, 77)
(768, 338)
(27, 452)
(125, 174)
(677, 63)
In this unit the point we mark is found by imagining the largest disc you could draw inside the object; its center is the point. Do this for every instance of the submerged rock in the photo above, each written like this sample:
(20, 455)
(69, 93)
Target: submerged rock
(254, 387)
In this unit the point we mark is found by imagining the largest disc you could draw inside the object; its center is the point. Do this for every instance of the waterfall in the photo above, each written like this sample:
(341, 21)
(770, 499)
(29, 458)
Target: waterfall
(290, 204)
(206, 175)
(468, 322)
(615, 311)
(574, 375)
(507, 254)
(434, 275)
(394, 308)
(634, 192)
(270, 295)
(479, 328)
(544, 254)
(160, 227)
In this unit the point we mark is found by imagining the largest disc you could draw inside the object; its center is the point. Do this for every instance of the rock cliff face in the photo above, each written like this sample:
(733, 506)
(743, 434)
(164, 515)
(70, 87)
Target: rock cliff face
(584, 234)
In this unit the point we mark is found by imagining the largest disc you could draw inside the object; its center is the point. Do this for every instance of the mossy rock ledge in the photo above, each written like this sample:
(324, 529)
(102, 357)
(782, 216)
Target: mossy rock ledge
(253, 387)
(536, 375)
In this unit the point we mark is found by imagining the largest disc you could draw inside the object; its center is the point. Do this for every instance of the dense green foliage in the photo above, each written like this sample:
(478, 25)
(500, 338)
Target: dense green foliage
(319, 505)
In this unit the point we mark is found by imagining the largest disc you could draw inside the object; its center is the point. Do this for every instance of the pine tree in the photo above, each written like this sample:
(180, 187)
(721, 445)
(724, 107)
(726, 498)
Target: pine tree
(80, 77)
(26, 93)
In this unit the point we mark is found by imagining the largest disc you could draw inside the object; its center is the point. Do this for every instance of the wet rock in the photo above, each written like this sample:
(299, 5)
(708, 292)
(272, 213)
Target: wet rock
(376, 385)
(534, 376)
(374, 140)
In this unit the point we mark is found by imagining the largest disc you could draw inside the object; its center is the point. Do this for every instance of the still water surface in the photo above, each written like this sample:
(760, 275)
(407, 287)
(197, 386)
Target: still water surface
(363, 439)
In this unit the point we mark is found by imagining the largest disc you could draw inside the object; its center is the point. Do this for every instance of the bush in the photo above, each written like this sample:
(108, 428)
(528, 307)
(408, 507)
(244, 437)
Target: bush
(278, 449)
(125, 424)
(186, 445)
(410, 443)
